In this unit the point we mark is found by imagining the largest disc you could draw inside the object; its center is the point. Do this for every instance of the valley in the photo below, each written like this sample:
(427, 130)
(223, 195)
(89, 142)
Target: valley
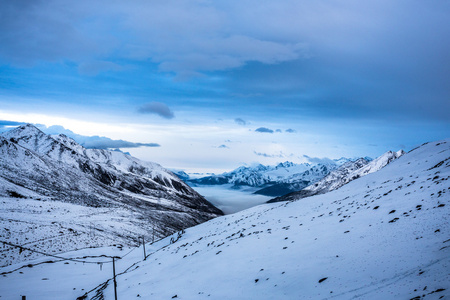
(383, 235)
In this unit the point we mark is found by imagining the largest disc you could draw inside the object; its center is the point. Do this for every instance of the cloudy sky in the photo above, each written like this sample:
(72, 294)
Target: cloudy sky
(210, 85)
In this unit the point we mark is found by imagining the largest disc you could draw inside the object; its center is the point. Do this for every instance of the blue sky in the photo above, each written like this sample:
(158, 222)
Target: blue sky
(216, 84)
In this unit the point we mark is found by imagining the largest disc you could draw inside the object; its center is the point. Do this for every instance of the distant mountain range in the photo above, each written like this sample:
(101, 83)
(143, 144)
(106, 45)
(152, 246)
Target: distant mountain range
(127, 198)
(349, 171)
(275, 180)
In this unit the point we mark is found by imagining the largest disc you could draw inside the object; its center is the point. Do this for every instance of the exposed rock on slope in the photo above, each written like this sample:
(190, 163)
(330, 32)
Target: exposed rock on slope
(143, 196)
(273, 180)
(349, 171)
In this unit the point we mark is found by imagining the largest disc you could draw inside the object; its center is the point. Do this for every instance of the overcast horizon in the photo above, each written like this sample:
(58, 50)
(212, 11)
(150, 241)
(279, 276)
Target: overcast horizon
(207, 86)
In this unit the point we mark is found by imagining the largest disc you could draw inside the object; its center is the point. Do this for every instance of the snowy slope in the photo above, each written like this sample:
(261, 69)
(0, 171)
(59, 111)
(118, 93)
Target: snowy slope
(123, 197)
(64, 149)
(381, 236)
(349, 171)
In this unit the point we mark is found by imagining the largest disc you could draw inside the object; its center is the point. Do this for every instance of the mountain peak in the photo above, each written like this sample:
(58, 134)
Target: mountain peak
(23, 130)
(69, 142)
(285, 164)
(28, 135)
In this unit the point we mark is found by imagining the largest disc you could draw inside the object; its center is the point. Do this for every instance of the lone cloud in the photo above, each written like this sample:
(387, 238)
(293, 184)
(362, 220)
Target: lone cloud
(240, 121)
(157, 108)
(264, 130)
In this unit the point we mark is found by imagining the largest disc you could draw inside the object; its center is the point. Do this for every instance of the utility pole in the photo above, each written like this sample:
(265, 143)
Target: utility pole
(114, 276)
(143, 244)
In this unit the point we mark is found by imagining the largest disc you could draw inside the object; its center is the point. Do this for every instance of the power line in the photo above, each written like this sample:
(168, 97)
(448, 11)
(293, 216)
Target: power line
(21, 248)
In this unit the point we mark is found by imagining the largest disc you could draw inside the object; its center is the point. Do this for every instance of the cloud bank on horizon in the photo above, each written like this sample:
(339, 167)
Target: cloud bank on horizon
(333, 75)
(89, 142)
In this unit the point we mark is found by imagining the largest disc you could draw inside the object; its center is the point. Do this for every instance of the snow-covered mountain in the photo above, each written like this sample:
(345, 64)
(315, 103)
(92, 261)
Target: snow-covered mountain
(124, 197)
(349, 171)
(382, 236)
(274, 180)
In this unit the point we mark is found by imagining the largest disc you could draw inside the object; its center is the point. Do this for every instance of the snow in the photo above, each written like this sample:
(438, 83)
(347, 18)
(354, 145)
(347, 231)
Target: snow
(260, 175)
(381, 236)
(58, 196)
(352, 170)
(270, 180)
(56, 227)
(57, 146)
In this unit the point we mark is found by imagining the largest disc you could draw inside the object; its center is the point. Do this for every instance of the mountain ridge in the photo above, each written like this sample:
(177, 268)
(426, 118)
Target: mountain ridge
(273, 180)
(151, 200)
(347, 172)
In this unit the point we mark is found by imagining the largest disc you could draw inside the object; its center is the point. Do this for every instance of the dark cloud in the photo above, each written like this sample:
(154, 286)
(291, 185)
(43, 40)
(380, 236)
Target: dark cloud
(11, 123)
(45, 31)
(372, 60)
(224, 147)
(290, 130)
(118, 150)
(90, 142)
(94, 142)
(157, 108)
(317, 160)
(100, 142)
(240, 121)
(269, 155)
(264, 130)
(7, 125)
(33, 31)
(278, 130)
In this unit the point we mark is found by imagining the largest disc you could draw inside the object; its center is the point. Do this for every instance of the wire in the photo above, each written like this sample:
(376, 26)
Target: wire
(21, 248)
(130, 252)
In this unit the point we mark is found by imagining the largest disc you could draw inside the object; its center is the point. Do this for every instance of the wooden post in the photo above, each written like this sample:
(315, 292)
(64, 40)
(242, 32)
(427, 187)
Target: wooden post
(143, 244)
(114, 276)
(153, 233)
(24, 297)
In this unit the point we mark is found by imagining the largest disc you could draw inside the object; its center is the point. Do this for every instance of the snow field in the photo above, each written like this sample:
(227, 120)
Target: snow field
(382, 236)
(55, 227)
(347, 236)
